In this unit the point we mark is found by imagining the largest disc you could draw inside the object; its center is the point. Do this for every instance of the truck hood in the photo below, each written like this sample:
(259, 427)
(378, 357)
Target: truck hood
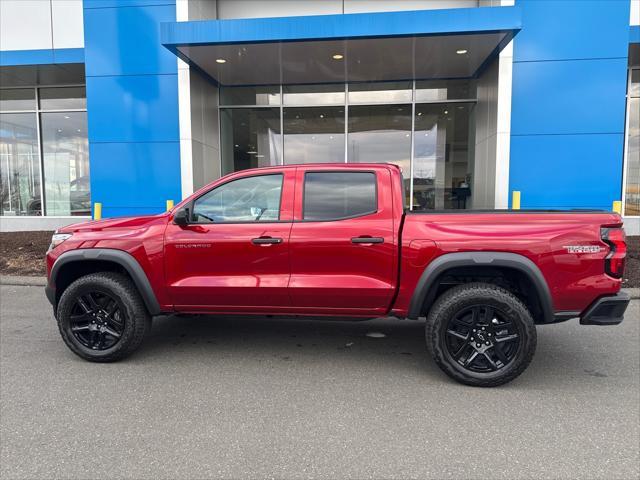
(112, 224)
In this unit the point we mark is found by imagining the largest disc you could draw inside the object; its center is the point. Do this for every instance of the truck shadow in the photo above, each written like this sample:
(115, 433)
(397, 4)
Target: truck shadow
(290, 339)
(387, 345)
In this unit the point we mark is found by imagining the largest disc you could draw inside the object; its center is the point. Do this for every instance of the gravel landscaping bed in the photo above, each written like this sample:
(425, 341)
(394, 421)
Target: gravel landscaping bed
(22, 253)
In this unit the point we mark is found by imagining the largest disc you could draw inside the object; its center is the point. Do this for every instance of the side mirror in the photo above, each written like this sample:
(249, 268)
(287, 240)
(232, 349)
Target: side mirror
(181, 217)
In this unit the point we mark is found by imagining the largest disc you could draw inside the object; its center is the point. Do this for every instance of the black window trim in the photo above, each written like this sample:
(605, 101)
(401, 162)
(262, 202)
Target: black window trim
(350, 217)
(255, 222)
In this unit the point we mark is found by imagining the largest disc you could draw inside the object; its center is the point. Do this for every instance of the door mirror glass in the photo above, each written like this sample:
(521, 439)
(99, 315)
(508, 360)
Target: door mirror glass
(181, 217)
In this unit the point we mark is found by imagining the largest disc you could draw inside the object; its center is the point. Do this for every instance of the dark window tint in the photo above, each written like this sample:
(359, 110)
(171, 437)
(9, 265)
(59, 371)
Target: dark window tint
(336, 195)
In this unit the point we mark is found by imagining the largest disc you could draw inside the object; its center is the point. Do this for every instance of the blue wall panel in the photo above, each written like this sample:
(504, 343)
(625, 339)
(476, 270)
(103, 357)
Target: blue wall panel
(147, 110)
(568, 115)
(132, 106)
(567, 171)
(126, 41)
(572, 29)
(144, 174)
(41, 57)
(581, 96)
(124, 3)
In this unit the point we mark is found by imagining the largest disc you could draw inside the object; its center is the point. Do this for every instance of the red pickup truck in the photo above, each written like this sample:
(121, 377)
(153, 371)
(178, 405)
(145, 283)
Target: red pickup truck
(336, 240)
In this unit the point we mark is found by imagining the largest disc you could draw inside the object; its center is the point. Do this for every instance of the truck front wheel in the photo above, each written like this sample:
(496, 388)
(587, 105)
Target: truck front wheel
(480, 334)
(101, 317)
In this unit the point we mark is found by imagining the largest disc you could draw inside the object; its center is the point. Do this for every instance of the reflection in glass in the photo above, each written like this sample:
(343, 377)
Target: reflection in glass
(63, 98)
(442, 90)
(380, 92)
(313, 135)
(12, 99)
(442, 168)
(66, 163)
(634, 86)
(267, 95)
(381, 134)
(250, 138)
(19, 165)
(329, 94)
(632, 190)
(250, 199)
(337, 195)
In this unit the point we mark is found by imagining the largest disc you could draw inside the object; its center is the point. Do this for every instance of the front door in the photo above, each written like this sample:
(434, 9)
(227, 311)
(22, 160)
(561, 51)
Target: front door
(234, 254)
(343, 245)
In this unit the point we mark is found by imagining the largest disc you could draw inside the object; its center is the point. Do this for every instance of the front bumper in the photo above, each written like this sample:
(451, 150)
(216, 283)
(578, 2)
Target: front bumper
(50, 292)
(607, 310)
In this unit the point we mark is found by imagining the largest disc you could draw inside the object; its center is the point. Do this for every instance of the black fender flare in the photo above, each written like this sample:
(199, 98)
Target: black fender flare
(424, 293)
(122, 258)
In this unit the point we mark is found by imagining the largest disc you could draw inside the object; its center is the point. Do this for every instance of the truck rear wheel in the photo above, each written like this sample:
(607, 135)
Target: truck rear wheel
(102, 318)
(481, 334)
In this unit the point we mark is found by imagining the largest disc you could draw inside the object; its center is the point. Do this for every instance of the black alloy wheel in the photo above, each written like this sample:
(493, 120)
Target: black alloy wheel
(97, 320)
(102, 317)
(482, 339)
(481, 334)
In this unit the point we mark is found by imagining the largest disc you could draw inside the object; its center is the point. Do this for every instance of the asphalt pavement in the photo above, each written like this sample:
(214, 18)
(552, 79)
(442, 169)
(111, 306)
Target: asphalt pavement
(222, 397)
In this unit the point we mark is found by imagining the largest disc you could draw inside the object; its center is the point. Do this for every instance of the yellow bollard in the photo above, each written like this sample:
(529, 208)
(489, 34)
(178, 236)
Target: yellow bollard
(169, 205)
(97, 211)
(515, 200)
(617, 207)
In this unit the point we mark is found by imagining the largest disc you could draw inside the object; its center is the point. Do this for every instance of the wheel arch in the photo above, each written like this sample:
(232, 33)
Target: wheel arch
(75, 263)
(426, 289)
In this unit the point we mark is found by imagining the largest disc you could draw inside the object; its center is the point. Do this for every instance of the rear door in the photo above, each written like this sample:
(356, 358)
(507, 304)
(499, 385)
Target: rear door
(342, 244)
(234, 254)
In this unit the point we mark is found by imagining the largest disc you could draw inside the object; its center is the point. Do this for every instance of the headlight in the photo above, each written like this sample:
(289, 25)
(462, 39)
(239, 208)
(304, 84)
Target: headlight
(57, 239)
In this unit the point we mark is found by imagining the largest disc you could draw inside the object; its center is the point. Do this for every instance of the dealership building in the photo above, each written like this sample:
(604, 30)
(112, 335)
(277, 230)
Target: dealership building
(133, 103)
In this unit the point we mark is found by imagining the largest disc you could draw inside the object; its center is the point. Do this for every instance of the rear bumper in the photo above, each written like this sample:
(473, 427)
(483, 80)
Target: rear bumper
(607, 310)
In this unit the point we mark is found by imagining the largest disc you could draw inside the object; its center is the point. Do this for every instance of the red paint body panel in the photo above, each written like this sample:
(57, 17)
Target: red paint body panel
(575, 280)
(317, 270)
(329, 274)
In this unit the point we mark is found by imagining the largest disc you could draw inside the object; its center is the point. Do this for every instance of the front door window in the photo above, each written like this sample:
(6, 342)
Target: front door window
(250, 199)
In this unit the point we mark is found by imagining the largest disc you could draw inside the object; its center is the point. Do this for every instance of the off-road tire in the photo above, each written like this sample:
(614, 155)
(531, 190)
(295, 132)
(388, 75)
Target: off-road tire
(471, 295)
(122, 289)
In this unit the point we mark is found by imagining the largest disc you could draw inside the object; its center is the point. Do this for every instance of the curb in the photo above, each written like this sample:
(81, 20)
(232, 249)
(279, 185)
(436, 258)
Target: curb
(23, 281)
(633, 292)
(42, 282)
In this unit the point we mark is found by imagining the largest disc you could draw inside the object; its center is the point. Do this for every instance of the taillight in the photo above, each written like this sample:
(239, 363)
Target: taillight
(614, 261)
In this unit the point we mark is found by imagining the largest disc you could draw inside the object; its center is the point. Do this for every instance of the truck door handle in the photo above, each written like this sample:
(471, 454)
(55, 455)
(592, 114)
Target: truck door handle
(364, 239)
(265, 240)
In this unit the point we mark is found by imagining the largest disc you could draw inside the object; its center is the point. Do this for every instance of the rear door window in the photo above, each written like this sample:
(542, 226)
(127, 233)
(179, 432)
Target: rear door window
(339, 195)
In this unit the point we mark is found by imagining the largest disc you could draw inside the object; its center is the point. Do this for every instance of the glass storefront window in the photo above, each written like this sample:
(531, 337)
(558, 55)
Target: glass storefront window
(63, 98)
(19, 165)
(443, 90)
(442, 168)
(378, 129)
(381, 134)
(52, 159)
(634, 86)
(12, 99)
(384, 92)
(66, 163)
(269, 95)
(313, 135)
(250, 138)
(329, 94)
(632, 176)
